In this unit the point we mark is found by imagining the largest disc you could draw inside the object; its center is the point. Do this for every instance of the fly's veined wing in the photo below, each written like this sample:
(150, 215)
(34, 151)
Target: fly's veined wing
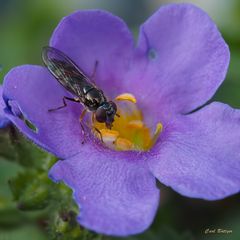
(65, 71)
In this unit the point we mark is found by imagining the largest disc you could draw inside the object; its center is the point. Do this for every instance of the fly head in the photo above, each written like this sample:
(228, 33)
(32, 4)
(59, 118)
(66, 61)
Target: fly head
(106, 113)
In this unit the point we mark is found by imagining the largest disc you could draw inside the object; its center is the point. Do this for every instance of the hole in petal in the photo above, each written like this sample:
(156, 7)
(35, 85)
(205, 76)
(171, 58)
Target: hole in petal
(30, 125)
(15, 110)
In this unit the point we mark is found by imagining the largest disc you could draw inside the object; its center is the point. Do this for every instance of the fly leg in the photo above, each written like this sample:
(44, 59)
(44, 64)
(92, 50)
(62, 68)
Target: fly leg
(64, 103)
(100, 134)
(96, 129)
(90, 127)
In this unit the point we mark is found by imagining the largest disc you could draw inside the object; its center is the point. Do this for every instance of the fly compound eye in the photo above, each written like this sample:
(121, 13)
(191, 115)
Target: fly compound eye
(101, 115)
(114, 106)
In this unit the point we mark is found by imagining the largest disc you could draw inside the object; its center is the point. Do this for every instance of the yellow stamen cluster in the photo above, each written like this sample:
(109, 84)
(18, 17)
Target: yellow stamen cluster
(128, 131)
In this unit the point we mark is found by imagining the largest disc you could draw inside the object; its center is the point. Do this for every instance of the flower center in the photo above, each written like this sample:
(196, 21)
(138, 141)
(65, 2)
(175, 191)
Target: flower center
(129, 131)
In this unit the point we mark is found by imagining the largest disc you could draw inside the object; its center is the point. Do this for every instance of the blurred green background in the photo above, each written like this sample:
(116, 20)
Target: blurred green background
(25, 27)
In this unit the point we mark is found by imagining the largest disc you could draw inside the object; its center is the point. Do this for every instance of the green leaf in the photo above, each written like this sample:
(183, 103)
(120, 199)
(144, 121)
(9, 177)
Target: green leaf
(31, 189)
(16, 148)
(24, 232)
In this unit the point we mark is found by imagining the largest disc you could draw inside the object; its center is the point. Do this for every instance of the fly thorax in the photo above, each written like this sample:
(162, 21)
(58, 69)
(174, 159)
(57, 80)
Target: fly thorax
(93, 98)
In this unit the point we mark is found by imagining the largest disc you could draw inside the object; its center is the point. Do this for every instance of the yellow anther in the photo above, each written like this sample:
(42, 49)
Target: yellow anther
(135, 124)
(109, 135)
(158, 130)
(123, 144)
(156, 134)
(129, 132)
(126, 97)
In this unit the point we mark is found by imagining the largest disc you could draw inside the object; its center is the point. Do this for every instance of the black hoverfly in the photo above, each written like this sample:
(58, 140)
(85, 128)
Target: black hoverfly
(73, 79)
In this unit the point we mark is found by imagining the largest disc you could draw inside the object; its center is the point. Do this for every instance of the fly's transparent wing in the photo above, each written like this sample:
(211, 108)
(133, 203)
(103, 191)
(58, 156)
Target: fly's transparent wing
(65, 71)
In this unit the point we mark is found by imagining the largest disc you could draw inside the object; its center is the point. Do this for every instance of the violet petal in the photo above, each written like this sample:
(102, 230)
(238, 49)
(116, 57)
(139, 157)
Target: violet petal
(34, 91)
(95, 35)
(116, 195)
(3, 119)
(181, 60)
(200, 154)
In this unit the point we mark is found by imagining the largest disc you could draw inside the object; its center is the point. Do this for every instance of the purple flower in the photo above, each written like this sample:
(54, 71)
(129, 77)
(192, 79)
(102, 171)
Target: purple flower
(179, 62)
(3, 119)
